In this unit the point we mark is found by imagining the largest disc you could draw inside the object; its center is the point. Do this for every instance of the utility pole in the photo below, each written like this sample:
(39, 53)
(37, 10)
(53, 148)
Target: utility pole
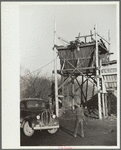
(55, 70)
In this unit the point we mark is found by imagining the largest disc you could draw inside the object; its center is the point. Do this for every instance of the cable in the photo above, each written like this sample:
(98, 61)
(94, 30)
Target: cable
(39, 68)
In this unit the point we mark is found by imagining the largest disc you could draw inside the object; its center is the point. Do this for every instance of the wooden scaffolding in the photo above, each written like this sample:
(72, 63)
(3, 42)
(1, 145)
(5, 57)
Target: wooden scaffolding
(85, 59)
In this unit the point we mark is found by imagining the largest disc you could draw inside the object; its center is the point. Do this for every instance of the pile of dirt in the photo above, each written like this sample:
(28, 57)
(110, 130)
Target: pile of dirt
(91, 109)
(111, 118)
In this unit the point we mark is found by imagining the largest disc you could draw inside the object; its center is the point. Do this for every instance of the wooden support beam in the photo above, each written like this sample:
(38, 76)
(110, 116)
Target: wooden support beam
(81, 86)
(64, 82)
(93, 90)
(67, 87)
(85, 36)
(109, 104)
(55, 69)
(103, 89)
(79, 71)
(106, 106)
(73, 91)
(85, 68)
(85, 39)
(86, 90)
(109, 44)
(114, 81)
(93, 80)
(97, 73)
(79, 58)
(91, 35)
(63, 102)
(103, 38)
(109, 73)
(103, 102)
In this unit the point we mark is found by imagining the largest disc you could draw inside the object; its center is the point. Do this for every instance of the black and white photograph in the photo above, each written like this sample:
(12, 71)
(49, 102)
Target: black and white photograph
(60, 75)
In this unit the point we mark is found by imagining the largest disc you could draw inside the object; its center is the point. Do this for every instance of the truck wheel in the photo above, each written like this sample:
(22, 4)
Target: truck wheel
(28, 131)
(53, 131)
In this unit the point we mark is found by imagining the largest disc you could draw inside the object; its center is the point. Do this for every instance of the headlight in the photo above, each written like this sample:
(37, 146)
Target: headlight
(54, 116)
(38, 117)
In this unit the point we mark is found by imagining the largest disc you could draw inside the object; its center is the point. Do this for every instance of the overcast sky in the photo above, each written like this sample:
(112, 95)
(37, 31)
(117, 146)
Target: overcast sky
(37, 28)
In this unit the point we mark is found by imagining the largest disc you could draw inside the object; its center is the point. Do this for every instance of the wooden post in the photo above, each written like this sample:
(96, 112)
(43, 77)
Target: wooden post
(108, 43)
(103, 89)
(109, 104)
(106, 107)
(73, 91)
(67, 86)
(82, 89)
(86, 90)
(93, 90)
(63, 102)
(103, 102)
(55, 70)
(97, 74)
(91, 35)
(85, 39)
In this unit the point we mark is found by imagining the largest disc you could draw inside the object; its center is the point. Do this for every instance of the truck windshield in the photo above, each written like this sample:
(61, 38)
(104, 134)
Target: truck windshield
(35, 104)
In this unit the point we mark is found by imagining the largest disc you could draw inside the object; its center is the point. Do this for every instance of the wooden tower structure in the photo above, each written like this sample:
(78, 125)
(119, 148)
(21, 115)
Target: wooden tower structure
(84, 58)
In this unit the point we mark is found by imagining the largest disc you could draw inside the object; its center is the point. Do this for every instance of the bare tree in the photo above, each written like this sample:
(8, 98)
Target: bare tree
(34, 86)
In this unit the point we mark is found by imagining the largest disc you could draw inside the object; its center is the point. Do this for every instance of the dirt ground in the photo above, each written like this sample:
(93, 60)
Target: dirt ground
(97, 133)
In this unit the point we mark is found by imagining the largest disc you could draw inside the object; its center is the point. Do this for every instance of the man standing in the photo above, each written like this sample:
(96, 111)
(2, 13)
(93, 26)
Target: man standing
(79, 119)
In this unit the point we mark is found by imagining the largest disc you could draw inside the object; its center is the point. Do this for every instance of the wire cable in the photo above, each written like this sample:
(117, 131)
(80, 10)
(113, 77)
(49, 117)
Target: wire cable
(40, 68)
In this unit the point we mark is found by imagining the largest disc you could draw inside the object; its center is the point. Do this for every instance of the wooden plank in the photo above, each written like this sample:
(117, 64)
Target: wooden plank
(85, 68)
(65, 48)
(79, 58)
(85, 36)
(111, 81)
(108, 68)
(111, 89)
(109, 73)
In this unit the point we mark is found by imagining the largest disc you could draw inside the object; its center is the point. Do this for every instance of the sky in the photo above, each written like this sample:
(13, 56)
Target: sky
(37, 29)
